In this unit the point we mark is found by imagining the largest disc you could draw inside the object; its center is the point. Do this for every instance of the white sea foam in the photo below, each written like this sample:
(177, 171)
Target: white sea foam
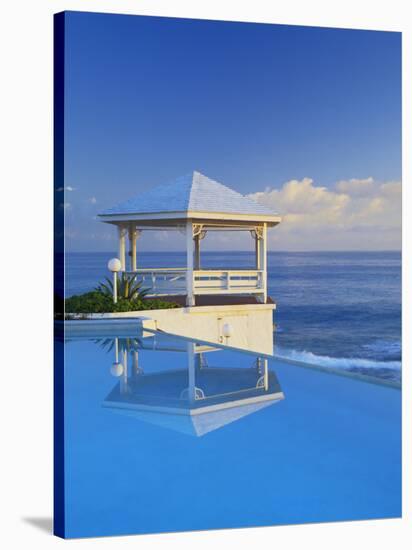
(334, 362)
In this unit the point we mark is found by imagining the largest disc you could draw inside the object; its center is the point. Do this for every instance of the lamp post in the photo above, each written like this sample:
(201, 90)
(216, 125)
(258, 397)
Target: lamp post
(117, 368)
(114, 266)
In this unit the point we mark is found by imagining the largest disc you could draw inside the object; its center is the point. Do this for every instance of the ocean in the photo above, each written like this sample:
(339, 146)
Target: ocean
(334, 309)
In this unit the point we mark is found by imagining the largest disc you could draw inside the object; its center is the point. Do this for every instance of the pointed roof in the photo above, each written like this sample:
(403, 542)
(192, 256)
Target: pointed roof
(190, 196)
(197, 424)
(231, 394)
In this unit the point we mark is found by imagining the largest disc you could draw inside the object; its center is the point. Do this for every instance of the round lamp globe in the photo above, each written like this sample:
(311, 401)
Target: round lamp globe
(227, 330)
(114, 265)
(116, 370)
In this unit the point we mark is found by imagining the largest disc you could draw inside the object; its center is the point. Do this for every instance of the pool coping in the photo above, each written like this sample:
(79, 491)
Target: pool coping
(149, 327)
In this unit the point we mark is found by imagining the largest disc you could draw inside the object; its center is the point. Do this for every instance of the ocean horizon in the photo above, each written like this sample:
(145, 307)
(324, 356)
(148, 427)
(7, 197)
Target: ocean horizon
(338, 310)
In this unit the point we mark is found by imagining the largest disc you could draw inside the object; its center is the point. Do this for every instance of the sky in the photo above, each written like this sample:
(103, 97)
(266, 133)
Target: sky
(305, 120)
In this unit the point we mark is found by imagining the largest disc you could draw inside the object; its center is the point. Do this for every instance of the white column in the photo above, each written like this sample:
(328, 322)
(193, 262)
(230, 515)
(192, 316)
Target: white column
(190, 300)
(197, 252)
(133, 236)
(123, 380)
(191, 371)
(263, 261)
(135, 362)
(122, 246)
(257, 251)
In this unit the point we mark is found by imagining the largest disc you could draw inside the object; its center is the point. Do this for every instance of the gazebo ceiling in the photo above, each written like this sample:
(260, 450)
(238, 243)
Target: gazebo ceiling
(195, 197)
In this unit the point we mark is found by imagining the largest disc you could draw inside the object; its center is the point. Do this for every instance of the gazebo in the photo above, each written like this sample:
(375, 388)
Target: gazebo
(194, 204)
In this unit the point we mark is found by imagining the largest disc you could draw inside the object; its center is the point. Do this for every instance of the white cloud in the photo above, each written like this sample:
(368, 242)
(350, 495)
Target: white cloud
(354, 214)
(355, 187)
(67, 188)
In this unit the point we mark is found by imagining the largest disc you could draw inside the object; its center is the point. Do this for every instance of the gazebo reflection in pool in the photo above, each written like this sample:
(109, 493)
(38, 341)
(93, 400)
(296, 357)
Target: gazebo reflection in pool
(204, 394)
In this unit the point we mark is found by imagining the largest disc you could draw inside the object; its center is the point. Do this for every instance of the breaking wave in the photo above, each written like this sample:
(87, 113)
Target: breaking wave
(349, 363)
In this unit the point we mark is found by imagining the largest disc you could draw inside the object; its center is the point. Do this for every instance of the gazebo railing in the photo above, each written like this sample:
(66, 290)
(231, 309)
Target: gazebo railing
(227, 281)
(173, 281)
(162, 281)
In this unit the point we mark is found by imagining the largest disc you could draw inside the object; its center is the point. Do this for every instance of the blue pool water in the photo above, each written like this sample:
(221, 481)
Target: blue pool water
(329, 451)
(338, 309)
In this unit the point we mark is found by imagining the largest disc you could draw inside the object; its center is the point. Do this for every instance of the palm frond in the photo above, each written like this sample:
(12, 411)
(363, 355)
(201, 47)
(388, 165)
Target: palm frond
(128, 287)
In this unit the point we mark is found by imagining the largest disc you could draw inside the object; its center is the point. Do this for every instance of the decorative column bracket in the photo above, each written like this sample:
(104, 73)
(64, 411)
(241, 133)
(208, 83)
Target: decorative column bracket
(257, 233)
(198, 231)
(122, 231)
(134, 232)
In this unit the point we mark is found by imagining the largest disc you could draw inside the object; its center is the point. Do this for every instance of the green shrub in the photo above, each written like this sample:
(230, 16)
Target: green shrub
(98, 302)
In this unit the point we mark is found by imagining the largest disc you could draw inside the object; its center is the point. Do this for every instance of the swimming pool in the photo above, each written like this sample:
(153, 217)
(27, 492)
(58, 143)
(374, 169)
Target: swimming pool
(191, 437)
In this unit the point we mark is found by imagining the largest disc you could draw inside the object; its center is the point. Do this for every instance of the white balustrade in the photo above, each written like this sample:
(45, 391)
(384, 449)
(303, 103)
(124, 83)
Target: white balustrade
(172, 281)
(162, 281)
(227, 281)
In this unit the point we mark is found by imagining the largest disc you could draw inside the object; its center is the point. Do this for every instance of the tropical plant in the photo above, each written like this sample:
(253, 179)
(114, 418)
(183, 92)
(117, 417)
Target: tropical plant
(124, 344)
(98, 302)
(128, 287)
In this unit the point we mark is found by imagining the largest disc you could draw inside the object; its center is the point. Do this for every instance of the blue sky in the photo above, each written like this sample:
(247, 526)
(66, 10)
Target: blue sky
(253, 106)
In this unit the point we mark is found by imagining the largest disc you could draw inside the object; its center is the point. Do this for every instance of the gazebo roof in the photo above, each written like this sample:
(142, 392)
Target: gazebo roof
(193, 424)
(188, 197)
